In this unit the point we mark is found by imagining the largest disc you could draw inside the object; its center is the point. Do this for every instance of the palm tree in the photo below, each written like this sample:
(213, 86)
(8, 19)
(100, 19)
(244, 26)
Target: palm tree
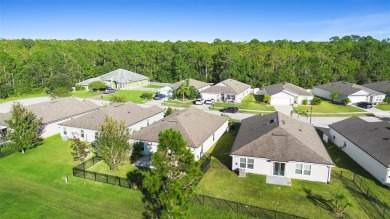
(184, 89)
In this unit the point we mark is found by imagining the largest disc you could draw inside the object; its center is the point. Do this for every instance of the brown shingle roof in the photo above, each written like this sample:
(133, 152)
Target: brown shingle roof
(197, 84)
(346, 88)
(371, 137)
(380, 86)
(59, 109)
(228, 86)
(277, 88)
(130, 113)
(194, 124)
(280, 138)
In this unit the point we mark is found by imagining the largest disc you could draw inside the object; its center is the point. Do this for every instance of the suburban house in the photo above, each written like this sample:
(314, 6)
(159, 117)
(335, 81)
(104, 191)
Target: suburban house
(380, 86)
(287, 94)
(57, 111)
(228, 90)
(135, 117)
(281, 148)
(200, 129)
(119, 79)
(365, 142)
(199, 85)
(356, 93)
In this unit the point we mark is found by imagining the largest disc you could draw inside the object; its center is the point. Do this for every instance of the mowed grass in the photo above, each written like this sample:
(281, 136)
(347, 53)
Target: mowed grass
(327, 106)
(153, 86)
(130, 95)
(303, 198)
(86, 94)
(179, 103)
(23, 96)
(250, 102)
(384, 107)
(32, 186)
(122, 171)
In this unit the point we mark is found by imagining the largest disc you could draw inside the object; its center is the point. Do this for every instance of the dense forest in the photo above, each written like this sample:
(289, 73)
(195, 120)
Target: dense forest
(27, 65)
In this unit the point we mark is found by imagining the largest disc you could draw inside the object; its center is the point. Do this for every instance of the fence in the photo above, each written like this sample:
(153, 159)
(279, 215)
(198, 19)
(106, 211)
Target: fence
(382, 208)
(240, 208)
(160, 84)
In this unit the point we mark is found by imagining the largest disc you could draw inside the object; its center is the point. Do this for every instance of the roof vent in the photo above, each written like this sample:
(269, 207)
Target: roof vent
(300, 130)
(283, 122)
(388, 127)
(386, 139)
(272, 121)
(278, 134)
(265, 124)
(344, 82)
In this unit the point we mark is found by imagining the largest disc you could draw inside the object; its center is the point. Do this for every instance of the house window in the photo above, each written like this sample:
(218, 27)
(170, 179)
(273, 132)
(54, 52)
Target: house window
(247, 163)
(82, 133)
(96, 135)
(304, 169)
(65, 132)
(214, 137)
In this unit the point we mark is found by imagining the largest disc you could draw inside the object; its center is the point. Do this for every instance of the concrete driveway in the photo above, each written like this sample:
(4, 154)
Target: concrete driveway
(6, 107)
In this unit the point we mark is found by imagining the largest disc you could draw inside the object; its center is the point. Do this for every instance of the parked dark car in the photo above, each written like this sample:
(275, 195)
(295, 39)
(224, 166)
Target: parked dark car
(159, 96)
(109, 90)
(364, 105)
(230, 109)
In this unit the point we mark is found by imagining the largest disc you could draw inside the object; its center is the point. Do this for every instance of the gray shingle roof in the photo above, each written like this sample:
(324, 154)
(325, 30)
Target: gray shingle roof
(280, 138)
(231, 86)
(371, 137)
(194, 124)
(59, 109)
(130, 113)
(380, 86)
(197, 84)
(277, 88)
(346, 88)
(120, 75)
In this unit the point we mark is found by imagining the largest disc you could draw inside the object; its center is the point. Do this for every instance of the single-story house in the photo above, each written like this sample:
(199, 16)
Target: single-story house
(57, 111)
(380, 86)
(287, 94)
(356, 93)
(280, 147)
(228, 90)
(200, 129)
(135, 117)
(368, 143)
(199, 85)
(119, 79)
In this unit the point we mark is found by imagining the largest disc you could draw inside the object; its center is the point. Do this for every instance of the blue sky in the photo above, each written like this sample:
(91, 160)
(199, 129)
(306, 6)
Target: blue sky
(199, 20)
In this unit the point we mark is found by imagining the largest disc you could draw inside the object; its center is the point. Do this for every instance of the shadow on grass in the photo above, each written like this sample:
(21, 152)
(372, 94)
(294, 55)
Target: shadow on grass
(318, 200)
(221, 150)
(259, 98)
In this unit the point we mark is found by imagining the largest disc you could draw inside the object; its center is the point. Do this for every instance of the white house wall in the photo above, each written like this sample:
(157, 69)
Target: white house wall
(319, 172)
(376, 169)
(241, 95)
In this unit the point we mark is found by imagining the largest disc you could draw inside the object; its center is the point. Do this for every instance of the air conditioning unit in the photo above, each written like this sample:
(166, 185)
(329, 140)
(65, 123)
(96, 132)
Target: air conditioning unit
(241, 172)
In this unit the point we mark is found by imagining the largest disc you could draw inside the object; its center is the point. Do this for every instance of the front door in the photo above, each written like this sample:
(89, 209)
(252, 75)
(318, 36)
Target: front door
(279, 169)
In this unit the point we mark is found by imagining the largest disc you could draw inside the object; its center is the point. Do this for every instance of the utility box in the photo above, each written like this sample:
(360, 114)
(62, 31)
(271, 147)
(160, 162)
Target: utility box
(241, 172)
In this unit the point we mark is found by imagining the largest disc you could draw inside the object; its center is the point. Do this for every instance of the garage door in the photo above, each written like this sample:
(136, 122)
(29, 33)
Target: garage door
(281, 101)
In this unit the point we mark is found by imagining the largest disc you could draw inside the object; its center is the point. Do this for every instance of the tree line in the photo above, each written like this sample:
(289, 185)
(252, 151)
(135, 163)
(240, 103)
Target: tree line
(27, 65)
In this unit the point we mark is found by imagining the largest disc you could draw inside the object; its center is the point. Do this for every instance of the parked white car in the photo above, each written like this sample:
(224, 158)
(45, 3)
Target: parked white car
(209, 101)
(199, 102)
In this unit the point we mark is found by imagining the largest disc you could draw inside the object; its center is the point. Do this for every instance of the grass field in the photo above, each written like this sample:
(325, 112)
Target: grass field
(122, 171)
(327, 106)
(130, 95)
(250, 102)
(23, 96)
(86, 94)
(153, 86)
(303, 198)
(384, 107)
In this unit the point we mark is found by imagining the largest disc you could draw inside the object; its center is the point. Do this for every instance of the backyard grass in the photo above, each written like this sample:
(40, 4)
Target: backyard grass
(130, 95)
(384, 107)
(23, 96)
(303, 198)
(85, 94)
(250, 102)
(327, 106)
(122, 171)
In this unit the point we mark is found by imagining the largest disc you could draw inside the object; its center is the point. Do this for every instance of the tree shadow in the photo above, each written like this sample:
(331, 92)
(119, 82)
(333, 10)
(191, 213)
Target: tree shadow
(222, 148)
(259, 98)
(318, 200)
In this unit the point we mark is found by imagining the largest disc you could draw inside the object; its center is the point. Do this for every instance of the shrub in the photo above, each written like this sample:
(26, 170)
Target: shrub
(304, 102)
(97, 85)
(316, 101)
(147, 96)
(79, 87)
(345, 101)
(387, 99)
(117, 99)
(266, 99)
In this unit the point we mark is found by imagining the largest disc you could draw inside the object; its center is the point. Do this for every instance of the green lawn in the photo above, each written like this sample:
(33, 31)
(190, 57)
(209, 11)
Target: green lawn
(327, 106)
(130, 95)
(86, 94)
(303, 198)
(179, 103)
(385, 107)
(153, 86)
(250, 102)
(23, 96)
(122, 171)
